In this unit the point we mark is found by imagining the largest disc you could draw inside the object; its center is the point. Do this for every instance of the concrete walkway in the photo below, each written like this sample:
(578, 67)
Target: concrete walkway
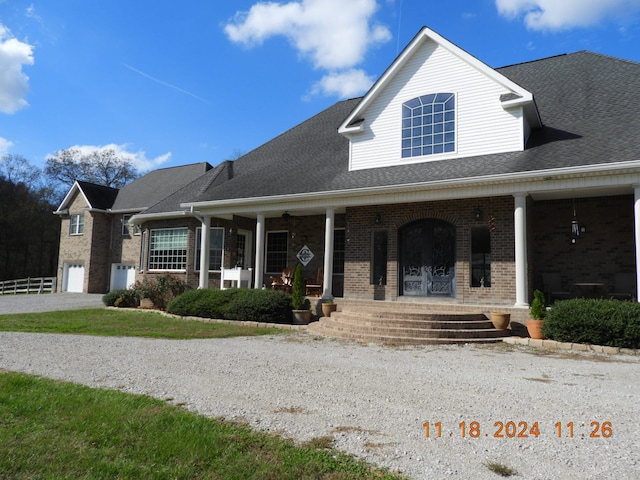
(48, 302)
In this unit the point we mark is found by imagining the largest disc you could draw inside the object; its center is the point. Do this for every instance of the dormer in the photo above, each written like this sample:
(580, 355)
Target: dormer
(437, 102)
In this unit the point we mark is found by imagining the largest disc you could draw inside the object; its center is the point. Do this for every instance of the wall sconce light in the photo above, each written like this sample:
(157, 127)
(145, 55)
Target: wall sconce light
(231, 231)
(377, 219)
(477, 214)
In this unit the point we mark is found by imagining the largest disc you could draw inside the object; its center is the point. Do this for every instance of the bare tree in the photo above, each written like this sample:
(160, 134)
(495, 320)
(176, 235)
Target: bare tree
(102, 167)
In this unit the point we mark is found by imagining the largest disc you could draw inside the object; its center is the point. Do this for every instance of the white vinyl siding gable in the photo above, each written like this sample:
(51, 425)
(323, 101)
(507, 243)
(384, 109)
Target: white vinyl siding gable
(483, 126)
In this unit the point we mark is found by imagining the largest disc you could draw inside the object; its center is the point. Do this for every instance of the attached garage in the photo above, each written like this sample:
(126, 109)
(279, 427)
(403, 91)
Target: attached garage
(122, 276)
(73, 277)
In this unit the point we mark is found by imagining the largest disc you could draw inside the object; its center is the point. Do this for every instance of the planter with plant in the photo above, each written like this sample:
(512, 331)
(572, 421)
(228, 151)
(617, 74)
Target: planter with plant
(328, 307)
(538, 311)
(300, 303)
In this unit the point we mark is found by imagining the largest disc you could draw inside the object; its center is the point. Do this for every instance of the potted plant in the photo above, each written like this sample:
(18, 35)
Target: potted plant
(300, 303)
(328, 306)
(538, 311)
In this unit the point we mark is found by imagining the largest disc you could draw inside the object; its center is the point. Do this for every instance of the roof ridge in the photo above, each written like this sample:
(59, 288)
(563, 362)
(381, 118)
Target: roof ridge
(538, 60)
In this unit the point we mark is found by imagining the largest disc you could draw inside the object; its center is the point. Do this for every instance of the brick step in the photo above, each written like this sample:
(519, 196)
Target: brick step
(397, 340)
(415, 321)
(414, 332)
(407, 324)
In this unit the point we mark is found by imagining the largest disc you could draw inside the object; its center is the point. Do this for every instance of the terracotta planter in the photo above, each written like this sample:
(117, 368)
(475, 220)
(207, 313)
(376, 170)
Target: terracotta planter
(327, 308)
(500, 320)
(301, 317)
(534, 327)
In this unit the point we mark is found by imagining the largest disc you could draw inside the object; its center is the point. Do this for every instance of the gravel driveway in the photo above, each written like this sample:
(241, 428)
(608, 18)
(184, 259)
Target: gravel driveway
(374, 400)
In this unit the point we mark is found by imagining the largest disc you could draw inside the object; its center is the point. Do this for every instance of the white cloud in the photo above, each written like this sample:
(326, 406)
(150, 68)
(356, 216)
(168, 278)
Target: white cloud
(566, 14)
(5, 145)
(345, 84)
(138, 159)
(333, 34)
(14, 84)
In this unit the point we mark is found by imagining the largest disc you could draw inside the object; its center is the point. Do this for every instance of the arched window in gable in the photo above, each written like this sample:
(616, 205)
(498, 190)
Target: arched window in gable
(429, 125)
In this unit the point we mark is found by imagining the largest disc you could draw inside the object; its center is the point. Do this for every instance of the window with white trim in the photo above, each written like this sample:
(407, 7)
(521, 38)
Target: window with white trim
(125, 226)
(429, 125)
(168, 249)
(76, 226)
(276, 252)
(216, 246)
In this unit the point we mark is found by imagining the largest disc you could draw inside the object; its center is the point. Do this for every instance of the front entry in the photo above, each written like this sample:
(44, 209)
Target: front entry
(427, 259)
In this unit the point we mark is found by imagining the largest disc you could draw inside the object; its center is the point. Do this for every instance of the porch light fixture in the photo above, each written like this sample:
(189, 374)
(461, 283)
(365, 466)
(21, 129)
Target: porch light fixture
(477, 214)
(575, 227)
(377, 219)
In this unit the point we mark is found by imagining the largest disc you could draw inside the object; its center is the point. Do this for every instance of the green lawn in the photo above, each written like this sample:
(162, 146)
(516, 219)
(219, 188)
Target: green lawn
(55, 430)
(124, 323)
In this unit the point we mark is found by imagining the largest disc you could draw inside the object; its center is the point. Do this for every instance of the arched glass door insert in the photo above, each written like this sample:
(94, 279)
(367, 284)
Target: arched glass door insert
(427, 259)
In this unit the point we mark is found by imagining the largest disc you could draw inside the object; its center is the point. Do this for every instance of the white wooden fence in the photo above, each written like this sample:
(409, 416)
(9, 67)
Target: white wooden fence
(29, 285)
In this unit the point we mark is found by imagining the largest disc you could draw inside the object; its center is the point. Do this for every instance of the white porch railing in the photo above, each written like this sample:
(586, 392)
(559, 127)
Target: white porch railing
(28, 285)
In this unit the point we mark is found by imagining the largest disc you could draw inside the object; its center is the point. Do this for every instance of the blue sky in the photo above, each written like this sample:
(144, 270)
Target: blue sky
(171, 83)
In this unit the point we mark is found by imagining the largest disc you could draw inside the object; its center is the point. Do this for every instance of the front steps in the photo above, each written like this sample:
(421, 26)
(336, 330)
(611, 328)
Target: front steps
(395, 323)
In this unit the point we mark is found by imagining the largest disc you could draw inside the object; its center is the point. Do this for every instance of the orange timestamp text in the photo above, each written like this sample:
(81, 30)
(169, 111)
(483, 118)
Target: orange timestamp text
(512, 429)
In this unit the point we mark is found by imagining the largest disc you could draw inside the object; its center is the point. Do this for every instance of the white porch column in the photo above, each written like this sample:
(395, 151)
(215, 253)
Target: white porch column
(205, 240)
(520, 224)
(327, 281)
(636, 229)
(258, 279)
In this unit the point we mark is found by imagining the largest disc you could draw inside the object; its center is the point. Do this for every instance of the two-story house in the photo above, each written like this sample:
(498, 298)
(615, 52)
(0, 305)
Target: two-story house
(448, 182)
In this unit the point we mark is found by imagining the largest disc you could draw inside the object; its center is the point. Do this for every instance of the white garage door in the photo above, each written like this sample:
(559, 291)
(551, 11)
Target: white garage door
(122, 276)
(73, 277)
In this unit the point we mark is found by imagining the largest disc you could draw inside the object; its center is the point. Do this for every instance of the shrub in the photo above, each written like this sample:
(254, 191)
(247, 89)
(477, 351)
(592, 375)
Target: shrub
(121, 298)
(538, 310)
(203, 303)
(260, 306)
(298, 299)
(234, 304)
(599, 322)
(160, 289)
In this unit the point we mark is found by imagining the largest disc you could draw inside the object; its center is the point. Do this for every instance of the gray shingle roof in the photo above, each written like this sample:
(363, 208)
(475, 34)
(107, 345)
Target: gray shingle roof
(588, 104)
(156, 185)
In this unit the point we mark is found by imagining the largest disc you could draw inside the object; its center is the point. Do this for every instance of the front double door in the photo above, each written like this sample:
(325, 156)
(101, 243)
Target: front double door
(427, 259)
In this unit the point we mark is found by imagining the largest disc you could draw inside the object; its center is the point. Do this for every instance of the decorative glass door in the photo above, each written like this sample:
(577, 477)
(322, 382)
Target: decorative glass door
(427, 253)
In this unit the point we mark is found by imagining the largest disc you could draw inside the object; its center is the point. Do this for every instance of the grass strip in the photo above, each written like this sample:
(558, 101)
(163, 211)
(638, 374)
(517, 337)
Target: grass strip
(57, 430)
(125, 323)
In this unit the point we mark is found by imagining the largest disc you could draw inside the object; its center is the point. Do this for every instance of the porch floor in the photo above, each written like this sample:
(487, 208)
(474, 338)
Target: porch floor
(411, 323)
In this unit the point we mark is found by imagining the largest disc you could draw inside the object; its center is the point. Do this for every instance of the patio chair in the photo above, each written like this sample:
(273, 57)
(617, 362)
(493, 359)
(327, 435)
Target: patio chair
(283, 282)
(314, 286)
(553, 290)
(624, 287)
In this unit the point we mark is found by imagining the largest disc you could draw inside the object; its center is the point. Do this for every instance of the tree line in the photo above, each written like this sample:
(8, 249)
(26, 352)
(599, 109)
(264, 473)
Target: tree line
(29, 231)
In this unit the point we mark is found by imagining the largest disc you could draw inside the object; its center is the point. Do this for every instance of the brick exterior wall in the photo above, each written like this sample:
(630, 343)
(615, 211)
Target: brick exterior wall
(605, 248)
(91, 248)
(361, 225)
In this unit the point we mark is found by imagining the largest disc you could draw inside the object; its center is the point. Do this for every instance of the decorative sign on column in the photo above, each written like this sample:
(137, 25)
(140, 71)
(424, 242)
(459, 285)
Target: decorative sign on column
(305, 255)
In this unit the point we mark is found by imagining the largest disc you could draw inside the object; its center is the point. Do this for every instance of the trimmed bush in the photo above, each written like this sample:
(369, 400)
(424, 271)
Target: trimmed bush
(122, 298)
(260, 306)
(234, 304)
(612, 323)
